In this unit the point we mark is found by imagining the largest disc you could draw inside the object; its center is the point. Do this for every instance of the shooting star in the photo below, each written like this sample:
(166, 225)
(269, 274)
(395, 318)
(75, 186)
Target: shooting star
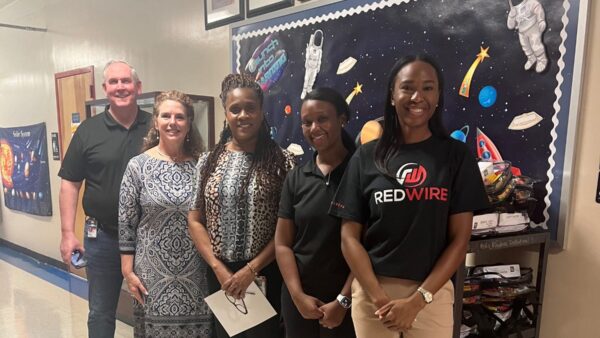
(466, 83)
(357, 90)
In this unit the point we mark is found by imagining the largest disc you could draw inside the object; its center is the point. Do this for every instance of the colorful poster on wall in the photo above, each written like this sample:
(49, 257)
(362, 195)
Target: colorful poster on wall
(75, 122)
(507, 65)
(24, 166)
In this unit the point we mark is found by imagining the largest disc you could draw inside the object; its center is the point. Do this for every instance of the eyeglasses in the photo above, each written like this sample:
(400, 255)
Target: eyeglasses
(239, 304)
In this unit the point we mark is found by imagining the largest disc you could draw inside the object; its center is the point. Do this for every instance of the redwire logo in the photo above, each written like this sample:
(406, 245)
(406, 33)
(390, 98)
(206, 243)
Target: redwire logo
(411, 175)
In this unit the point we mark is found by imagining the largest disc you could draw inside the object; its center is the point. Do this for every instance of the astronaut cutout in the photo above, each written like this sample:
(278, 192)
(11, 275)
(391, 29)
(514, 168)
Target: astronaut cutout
(314, 52)
(528, 19)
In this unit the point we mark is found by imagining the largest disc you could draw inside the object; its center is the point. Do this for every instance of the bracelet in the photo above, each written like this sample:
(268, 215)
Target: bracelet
(251, 269)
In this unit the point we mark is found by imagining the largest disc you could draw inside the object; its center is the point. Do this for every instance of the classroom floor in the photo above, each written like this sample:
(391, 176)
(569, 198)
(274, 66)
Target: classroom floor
(38, 300)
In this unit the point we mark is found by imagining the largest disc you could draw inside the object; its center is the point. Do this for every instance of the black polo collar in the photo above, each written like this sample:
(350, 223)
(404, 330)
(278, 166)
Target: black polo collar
(140, 119)
(312, 168)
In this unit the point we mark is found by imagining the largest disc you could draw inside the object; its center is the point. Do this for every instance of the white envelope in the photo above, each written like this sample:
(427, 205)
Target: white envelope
(240, 315)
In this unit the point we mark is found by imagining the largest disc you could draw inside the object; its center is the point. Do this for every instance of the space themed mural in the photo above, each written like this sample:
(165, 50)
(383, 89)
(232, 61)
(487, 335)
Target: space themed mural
(24, 167)
(507, 68)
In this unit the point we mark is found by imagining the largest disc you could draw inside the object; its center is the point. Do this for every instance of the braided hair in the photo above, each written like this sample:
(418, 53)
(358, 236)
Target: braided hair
(268, 160)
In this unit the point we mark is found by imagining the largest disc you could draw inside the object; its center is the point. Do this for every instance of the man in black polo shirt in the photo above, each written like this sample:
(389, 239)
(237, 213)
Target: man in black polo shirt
(98, 154)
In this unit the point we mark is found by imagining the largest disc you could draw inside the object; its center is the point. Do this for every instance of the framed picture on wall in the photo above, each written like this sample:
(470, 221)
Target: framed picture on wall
(259, 7)
(222, 12)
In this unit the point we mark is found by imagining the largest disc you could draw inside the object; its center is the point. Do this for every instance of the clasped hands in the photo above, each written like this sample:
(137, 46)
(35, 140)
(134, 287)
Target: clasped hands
(235, 284)
(330, 315)
(399, 314)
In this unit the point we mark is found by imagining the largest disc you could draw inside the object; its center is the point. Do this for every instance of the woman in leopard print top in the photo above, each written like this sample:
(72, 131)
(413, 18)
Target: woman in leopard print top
(234, 211)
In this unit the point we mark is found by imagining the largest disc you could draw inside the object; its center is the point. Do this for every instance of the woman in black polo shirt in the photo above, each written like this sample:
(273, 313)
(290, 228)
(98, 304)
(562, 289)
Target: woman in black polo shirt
(407, 203)
(315, 298)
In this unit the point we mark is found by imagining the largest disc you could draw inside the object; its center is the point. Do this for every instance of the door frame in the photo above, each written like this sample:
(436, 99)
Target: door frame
(61, 75)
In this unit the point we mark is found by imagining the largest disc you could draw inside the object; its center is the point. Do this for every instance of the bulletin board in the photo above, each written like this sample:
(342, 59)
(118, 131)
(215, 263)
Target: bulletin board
(512, 77)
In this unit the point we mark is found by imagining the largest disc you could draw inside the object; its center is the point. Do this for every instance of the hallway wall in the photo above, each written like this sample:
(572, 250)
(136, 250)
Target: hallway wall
(164, 40)
(571, 297)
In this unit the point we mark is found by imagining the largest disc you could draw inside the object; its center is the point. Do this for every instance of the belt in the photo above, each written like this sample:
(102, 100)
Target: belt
(112, 232)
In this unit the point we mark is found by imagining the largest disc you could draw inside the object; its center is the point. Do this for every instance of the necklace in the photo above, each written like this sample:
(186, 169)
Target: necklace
(172, 158)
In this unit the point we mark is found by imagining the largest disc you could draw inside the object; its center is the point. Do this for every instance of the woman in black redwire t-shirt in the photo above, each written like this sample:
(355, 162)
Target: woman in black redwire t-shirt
(407, 203)
(315, 299)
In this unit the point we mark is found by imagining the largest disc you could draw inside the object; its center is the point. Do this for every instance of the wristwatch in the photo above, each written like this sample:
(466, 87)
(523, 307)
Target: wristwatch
(427, 296)
(344, 301)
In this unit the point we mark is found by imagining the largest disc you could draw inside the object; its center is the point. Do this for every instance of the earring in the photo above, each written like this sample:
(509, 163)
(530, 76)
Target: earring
(157, 134)
(187, 137)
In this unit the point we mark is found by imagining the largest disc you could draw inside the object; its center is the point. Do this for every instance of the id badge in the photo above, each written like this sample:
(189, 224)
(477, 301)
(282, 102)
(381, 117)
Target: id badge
(91, 226)
(261, 282)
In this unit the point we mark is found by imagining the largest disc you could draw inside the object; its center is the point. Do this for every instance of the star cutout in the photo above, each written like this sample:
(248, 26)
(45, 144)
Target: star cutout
(483, 53)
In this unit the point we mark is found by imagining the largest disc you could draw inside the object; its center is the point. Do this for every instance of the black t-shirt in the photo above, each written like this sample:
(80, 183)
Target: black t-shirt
(305, 199)
(98, 153)
(406, 217)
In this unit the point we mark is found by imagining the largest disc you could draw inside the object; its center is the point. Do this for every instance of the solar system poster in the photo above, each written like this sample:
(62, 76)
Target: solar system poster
(507, 68)
(24, 164)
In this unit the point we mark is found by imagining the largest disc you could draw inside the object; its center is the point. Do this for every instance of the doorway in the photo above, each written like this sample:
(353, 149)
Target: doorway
(73, 89)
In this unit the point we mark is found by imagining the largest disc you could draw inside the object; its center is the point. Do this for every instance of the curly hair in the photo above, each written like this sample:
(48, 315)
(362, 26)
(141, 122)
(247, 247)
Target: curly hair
(268, 162)
(192, 146)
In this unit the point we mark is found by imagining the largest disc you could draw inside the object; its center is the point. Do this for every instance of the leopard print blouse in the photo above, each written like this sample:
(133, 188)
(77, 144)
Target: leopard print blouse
(238, 231)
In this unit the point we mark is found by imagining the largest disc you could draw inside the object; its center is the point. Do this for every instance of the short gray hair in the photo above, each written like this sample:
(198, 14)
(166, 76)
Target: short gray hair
(134, 74)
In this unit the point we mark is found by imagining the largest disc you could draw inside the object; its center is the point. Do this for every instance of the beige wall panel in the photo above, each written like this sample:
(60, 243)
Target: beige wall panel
(572, 296)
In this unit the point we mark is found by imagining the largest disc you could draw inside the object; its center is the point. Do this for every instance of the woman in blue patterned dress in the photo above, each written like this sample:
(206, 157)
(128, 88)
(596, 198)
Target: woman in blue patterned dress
(164, 273)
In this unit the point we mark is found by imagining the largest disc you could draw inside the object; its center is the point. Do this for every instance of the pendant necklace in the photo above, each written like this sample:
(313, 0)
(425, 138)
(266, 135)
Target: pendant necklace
(172, 158)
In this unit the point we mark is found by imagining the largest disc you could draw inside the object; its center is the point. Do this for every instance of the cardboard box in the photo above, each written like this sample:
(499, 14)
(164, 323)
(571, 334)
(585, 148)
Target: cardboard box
(485, 221)
(513, 218)
(509, 271)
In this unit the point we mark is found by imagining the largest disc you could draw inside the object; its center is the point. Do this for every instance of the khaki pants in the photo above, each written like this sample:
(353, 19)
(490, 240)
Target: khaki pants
(434, 321)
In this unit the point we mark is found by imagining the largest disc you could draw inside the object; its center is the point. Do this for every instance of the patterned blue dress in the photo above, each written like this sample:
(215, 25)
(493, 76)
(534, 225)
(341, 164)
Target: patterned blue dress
(153, 203)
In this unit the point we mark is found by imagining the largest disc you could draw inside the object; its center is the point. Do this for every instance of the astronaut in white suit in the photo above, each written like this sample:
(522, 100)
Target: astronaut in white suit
(529, 20)
(314, 53)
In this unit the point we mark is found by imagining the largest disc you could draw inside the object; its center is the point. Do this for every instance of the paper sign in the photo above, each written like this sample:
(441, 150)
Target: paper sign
(239, 315)
(75, 122)
(55, 147)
